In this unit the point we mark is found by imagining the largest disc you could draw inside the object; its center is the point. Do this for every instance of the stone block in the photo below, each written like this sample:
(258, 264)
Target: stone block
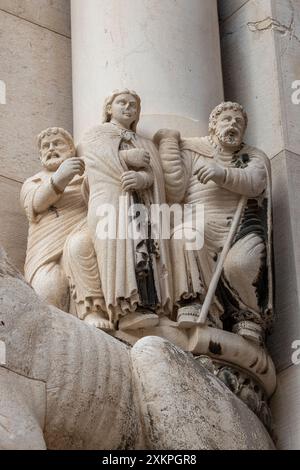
(286, 30)
(286, 215)
(36, 68)
(251, 75)
(229, 7)
(13, 225)
(51, 14)
(286, 409)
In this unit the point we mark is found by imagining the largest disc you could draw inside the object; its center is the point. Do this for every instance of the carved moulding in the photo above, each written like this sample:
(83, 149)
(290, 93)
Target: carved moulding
(244, 386)
(228, 352)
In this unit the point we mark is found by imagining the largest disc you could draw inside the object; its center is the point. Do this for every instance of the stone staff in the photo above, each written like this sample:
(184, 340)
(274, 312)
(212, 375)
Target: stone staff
(218, 271)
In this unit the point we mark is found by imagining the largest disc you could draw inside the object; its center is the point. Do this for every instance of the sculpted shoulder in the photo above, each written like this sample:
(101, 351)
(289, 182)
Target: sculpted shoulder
(199, 145)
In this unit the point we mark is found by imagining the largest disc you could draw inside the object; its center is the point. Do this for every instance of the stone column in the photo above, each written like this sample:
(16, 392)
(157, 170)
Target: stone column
(35, 93)
(166, 51)
(260, 53)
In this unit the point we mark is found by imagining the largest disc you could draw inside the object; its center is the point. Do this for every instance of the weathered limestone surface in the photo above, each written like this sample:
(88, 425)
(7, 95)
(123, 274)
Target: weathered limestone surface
(228, 7)
(53, 14)
(36, 70)
(36, 67)
(13, 225)
(286, 177)
(260, 52)
(286, 409)
(156, 396)
(168, 52)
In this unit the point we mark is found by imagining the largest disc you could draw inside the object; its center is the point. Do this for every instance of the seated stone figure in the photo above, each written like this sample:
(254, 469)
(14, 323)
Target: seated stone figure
(55, 208)
(217, 171)
(80, 261)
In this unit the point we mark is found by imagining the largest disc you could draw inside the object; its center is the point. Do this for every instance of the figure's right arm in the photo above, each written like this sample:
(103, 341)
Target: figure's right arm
(175, 172)
(37, 196)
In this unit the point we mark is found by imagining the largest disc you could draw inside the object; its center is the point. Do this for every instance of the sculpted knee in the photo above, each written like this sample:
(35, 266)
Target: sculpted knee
(80, 244)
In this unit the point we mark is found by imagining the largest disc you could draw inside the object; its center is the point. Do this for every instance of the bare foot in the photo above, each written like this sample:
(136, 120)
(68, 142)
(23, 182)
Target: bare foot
(96, 319)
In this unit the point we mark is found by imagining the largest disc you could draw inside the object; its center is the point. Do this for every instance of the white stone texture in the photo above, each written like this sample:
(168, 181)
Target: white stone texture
(260, 52)
(13, 225)
(250, 74)
(286, 409)
(286, 177)
(228, 7)
(167, 52)
(81, 381)
(50, 14)
(36, 66)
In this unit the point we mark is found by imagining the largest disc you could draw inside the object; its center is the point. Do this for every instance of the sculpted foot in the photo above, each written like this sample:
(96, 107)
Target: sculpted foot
(188, 315)
(98, 321)
(250, 331)
(136, 320)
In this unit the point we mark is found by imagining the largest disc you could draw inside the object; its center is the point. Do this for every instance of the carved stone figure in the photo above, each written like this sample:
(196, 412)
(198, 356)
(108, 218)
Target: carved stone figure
(54, 206)
(65, 385)
(228, 177)
(123, 169)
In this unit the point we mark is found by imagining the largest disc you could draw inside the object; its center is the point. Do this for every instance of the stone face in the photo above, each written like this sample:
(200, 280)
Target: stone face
(151, 46)
(54, 206)
(250, 74)
(260, 46)
(53, 14)
(13, 225)
(36, 67)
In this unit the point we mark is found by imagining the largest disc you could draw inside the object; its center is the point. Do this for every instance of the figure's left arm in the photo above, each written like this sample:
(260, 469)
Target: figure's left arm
(250, 181)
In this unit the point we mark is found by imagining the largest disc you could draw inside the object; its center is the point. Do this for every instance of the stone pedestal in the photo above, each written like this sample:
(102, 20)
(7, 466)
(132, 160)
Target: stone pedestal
(166, 51)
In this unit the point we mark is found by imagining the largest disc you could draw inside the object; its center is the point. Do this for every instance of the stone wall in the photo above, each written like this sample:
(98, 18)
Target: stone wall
(36, 92)
(260, 42)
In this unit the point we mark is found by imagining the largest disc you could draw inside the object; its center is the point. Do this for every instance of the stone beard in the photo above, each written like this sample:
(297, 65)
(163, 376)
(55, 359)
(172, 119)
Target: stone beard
(53, 214)
(244, 292)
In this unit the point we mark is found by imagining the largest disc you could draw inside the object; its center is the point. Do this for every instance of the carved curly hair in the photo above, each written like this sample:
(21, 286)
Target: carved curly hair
(56, 131)
(226, 105)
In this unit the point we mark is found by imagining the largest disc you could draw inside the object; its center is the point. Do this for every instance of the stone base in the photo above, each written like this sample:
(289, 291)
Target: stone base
(223, 346)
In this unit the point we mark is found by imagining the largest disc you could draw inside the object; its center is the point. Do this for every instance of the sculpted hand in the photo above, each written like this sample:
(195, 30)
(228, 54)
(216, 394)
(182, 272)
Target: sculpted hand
(211, 171)
(166, 134)
(67, 170)
(132, 180)
(137, 158)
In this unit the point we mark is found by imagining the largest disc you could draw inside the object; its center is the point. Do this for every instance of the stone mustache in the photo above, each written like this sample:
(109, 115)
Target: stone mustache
(129, 285)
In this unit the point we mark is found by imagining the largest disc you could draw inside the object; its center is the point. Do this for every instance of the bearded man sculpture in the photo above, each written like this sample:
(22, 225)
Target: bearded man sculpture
(123, 169)
(54, 207)
(217, 171)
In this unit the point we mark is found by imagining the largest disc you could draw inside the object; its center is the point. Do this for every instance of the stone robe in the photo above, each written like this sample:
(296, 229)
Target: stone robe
(245, 288)
(117, 257)
(48, 232)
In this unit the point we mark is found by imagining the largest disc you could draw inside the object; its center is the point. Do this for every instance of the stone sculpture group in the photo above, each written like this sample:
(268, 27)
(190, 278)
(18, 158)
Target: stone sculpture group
(167, 238)
(111, 183)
